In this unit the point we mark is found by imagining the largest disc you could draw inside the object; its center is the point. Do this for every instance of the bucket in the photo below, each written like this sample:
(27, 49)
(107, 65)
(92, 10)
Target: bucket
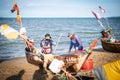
(88, 65)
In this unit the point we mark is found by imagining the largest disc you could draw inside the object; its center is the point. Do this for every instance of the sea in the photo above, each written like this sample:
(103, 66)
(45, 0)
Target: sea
(87, 29)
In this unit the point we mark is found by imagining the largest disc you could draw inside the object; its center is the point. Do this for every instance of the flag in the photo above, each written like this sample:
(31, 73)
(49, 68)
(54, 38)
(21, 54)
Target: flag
(19, 19)
(102, 10)
(94, 43)
(15, 8)
(96, 15)
(8, 32)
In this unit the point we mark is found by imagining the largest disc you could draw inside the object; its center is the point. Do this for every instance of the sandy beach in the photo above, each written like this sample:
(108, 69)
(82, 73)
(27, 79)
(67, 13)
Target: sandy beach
(20, 69)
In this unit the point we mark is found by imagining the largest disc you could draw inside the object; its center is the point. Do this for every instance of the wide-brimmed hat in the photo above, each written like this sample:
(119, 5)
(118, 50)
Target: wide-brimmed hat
(47, 35)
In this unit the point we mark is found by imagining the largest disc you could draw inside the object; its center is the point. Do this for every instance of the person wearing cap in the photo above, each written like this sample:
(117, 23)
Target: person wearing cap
(75, 41)
(31, 52)
(46, 44)
(30, 45)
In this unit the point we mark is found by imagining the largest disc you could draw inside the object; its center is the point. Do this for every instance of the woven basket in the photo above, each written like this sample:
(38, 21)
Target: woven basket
(112, 47)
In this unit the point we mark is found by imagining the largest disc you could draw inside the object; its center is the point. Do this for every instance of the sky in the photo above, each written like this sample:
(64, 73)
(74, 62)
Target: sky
(60, 8)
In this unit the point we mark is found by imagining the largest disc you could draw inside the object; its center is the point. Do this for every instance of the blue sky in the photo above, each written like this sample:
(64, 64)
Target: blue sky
(60, 8)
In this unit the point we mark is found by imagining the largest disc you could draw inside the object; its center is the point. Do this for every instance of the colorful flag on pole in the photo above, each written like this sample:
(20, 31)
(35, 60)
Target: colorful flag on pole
(19, 19)
(102, 10)
(15, 8)
(96, 15)
(8, 32)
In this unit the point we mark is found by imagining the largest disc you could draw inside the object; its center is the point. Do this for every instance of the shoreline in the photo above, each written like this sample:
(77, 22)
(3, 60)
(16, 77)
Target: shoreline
(20, 69)
(98, 49)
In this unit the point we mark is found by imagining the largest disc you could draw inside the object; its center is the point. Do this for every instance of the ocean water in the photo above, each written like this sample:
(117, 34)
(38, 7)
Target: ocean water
(87, 29)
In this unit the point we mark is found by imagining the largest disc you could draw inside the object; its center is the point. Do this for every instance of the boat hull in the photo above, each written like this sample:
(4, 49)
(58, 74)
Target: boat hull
(73, 62)
(112, 47)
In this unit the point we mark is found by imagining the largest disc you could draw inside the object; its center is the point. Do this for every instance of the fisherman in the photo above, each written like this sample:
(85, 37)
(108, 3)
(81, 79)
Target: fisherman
(31, 52)
(75, 41)
(30, 46)
(46, 44)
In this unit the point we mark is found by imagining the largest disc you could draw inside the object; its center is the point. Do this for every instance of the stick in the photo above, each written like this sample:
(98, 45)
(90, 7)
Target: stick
(58, 42)
(100, 23)
(106, 20)
(21, 25)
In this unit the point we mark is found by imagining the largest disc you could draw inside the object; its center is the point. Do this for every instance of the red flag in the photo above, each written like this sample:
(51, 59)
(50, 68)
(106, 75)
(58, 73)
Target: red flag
(15, 8)
(96, 15)
(102, 10)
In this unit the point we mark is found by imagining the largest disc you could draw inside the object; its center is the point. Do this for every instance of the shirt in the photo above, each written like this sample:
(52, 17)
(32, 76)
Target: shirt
(48, 43)
(76, 42)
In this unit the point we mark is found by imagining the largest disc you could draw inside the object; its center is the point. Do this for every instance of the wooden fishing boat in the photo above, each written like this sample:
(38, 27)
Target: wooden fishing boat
(73, 62)
(112, 47)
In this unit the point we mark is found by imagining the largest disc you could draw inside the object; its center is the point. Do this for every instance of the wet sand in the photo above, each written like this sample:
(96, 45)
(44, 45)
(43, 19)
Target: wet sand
(20, 69)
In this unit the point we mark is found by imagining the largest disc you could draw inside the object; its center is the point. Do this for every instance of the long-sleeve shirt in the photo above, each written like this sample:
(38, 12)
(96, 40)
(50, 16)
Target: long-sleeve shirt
(48, 43)
(76, 42)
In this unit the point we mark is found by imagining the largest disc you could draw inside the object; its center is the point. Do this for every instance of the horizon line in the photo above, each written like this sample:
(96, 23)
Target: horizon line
(62, 17)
